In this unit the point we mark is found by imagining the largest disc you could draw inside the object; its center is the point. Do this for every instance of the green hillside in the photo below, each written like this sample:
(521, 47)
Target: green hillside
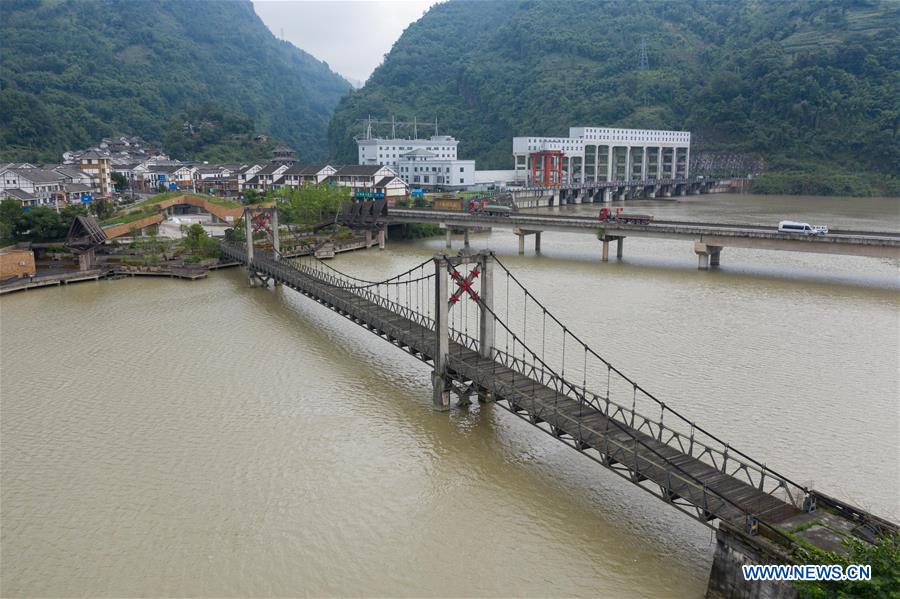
(73, 71)
(812, 88)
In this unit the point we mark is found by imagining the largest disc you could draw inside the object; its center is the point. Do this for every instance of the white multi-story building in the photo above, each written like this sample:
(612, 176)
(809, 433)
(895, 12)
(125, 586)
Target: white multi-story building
(603, 154)
(421, 163)
(389, 152)
(427, 170)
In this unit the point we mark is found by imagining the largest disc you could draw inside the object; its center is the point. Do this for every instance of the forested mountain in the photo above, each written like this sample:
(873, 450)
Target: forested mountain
(73, 71)
(810, 87)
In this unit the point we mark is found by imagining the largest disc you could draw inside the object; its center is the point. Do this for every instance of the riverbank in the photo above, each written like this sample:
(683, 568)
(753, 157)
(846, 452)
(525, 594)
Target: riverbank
(189, 272)
(823, 181)
(67, 278)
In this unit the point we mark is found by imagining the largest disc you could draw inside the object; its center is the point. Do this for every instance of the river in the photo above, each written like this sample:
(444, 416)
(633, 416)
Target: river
(164, 437)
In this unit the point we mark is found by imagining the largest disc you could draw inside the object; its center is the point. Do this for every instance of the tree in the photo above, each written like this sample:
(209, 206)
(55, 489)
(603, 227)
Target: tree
(44, 224)
(310, 204)
(119, 181)
(11, 216)
(68, 213)
(251, 196)
(102, 208)
(194, 237)
(883, 556)
(198, 242)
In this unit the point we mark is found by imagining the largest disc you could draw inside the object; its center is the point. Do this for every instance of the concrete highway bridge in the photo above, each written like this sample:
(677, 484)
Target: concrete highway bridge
(453, 314)
(709, 238)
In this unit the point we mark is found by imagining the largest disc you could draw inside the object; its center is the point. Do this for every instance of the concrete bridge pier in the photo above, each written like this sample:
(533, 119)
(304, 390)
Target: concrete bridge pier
(486, 324)
(449, 243)
(466, 237)
(708, 255)
(521, 233)
(253, 276)
(619, 246)
(276, 236)
(382, 237)
(248, 234)
(726, 580)
(87, 260)
(440, 380)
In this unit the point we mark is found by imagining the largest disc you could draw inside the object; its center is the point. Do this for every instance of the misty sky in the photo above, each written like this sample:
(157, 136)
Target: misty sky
(352, 36)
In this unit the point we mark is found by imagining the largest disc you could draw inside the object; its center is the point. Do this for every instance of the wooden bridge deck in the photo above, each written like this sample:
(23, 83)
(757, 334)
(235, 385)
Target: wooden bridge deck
(684, 476)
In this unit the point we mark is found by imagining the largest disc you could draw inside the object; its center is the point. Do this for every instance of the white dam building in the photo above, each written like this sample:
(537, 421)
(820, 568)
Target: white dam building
(602, 154)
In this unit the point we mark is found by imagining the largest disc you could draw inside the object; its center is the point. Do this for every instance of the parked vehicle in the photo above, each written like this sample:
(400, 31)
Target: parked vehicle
(617, 217)
(789, 226)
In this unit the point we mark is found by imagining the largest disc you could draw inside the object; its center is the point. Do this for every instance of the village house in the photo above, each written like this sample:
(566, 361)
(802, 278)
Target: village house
(302, 174)
(247, 172)
(49, 186)
(370, 181)
(31, 186)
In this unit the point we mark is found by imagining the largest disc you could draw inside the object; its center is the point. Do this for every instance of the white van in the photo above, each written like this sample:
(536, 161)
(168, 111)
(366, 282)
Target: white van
(789, 226)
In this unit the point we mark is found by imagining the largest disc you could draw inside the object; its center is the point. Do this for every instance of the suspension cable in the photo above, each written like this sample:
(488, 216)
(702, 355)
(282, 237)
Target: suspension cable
(637, 386)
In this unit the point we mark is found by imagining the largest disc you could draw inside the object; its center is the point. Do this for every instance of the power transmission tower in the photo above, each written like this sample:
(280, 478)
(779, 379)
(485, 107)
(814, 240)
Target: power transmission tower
(645, 64)
(643, 67)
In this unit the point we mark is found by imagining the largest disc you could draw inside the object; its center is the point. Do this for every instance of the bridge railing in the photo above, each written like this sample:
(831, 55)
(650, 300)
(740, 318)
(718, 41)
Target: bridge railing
(606, 388)
(409, 294)
(639, 459)
(638, 455)
(691, 442)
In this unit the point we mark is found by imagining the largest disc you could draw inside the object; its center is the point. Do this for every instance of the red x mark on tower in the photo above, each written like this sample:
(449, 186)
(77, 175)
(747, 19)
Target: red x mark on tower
(464, 285)
(262, 222)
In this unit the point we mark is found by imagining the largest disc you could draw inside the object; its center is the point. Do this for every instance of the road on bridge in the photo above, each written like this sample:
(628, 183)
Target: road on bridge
(709, 238)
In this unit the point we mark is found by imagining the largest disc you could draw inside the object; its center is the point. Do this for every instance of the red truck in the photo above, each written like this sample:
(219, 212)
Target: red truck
(608, 216)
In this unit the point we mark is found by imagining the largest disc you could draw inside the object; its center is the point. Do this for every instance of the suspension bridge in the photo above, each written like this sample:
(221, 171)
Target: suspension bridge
(484, 335)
